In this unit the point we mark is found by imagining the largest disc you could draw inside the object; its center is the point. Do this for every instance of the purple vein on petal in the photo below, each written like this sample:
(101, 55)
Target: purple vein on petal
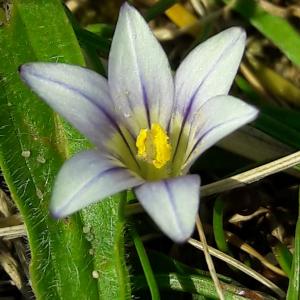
(142, 85)
(217, 61)
(146, 103)
(86, 186)
(67, 86)
(100, 107)
(193, 97)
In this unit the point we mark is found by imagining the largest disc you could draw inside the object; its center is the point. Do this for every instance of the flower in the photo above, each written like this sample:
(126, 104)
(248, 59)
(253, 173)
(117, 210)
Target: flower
(148, 127)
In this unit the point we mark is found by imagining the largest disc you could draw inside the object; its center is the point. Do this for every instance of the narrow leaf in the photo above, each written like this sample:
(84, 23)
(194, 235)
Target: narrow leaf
(34, 142)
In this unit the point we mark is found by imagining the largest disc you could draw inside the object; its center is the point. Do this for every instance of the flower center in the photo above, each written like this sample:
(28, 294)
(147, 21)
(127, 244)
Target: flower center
(153, 146)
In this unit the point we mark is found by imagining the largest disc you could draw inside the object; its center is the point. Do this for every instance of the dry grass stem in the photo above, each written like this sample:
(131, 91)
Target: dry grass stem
(13, 231)
(5, 204)
(236, 241)
(199, 7)
(237, 218)
(10, 265)
(210, 263)
(276, 10)
(252, 175)
(11, 221)
(13, 253)
(240, 266)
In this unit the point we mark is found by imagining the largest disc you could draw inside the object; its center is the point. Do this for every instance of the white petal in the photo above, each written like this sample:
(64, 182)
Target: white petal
(172, 204)
(87, 178)
(139, 75)
(78, 94)
(208, 70)
(218, 117)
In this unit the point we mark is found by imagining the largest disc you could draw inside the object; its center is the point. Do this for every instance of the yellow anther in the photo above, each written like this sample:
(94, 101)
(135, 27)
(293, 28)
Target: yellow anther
(141, 143)
(153, 146)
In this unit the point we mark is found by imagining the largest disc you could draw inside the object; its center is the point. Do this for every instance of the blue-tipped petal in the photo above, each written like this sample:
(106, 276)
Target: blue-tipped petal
(139, 74)
(218, 117)
(208, 71)
(172, 204)
(78, 94)
(87, 178)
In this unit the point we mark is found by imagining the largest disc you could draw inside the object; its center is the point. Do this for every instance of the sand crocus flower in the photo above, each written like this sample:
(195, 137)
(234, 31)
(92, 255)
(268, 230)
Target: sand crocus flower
(147, 127)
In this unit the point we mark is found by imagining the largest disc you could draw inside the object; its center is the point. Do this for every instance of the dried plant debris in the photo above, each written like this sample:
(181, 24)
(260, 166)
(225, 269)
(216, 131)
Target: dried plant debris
(5, 11)
(13, 248)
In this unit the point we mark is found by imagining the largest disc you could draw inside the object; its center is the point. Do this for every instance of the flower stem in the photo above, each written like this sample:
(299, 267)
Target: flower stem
(150, 278)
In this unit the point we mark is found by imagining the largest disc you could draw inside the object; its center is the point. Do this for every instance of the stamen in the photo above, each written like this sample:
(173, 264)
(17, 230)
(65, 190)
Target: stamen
(153, 146)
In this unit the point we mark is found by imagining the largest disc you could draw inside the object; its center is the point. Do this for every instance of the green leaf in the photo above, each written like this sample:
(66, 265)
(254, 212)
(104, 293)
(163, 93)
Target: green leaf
(294, 283)
(34, 142)
(277, 29)
(162, 263)
(197, 284)
(89, 39)
(101, 29)
(277, 129)
(218, 229)
(283, 256)
(104, 228)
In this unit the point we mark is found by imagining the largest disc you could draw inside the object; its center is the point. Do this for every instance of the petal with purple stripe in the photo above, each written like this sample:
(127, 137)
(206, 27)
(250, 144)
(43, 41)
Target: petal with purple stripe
(139, 74)
(78, 94)
(208, 71)
(218, 117)
(172, 204)
(87, 178)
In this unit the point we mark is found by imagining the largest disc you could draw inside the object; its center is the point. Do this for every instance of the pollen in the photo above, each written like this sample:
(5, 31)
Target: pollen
(153, 146)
